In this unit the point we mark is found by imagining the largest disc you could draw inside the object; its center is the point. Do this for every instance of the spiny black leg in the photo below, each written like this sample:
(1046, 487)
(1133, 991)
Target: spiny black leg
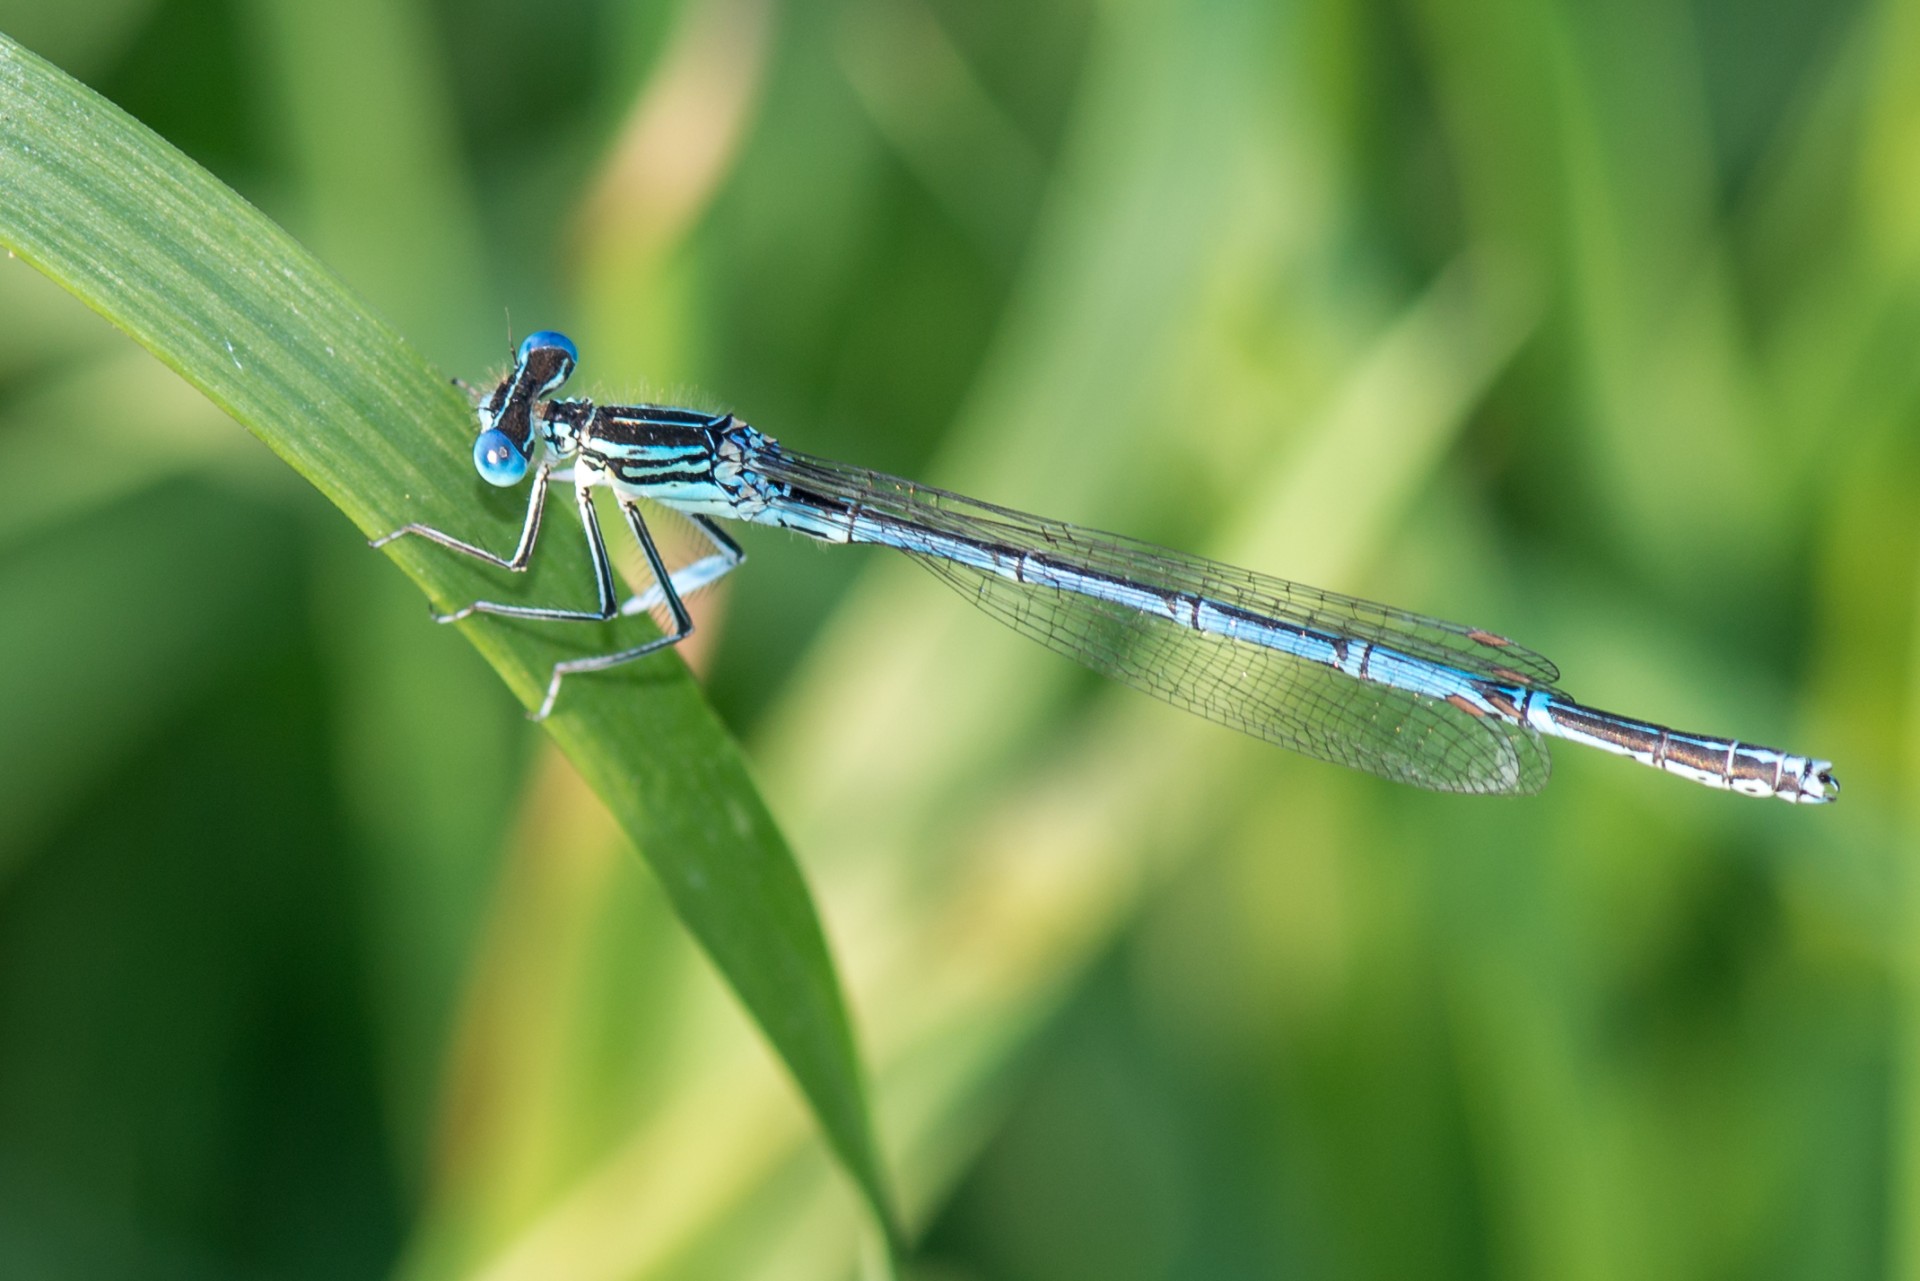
(602, 579)
(682, 621)
(690, 578)
(728, 548)
(529, 532)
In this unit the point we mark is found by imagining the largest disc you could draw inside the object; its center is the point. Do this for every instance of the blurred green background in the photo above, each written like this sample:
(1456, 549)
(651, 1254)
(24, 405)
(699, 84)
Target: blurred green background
(1592, 323)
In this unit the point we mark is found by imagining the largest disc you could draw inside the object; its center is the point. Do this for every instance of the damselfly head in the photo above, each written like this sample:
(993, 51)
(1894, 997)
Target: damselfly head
(547, 358)
(507, 416)
(505, 444)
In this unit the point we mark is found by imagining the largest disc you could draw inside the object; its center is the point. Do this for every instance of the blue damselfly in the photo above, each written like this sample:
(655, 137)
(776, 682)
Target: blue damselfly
(1413, 699)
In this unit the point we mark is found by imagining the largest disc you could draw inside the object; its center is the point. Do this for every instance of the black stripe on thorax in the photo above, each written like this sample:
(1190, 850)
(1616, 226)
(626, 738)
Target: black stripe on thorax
(659, 416)
(641, 475)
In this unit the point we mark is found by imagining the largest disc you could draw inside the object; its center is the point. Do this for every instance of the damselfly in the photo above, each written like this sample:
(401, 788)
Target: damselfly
(1414, 699)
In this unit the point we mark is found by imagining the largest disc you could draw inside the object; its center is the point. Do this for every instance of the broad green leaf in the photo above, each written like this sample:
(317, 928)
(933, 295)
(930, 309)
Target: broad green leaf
(237, 308)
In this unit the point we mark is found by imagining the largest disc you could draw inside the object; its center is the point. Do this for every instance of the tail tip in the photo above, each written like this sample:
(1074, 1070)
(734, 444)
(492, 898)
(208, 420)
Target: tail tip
(1817, 785)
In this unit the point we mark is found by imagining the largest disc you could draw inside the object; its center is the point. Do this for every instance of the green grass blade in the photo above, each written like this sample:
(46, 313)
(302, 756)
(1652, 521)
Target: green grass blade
(236, 307)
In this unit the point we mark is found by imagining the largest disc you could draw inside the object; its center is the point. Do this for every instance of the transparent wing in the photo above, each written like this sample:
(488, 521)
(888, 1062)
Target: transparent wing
(1264, 692)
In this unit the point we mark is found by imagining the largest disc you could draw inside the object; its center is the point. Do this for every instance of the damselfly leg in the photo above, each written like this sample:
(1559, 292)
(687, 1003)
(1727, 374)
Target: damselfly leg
(668, 588)
(682, 621)
(522, 554)
(694, 576)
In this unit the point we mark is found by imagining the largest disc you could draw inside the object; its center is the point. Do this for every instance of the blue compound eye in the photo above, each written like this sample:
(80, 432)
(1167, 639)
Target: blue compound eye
(549, 338)
(497, 459)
